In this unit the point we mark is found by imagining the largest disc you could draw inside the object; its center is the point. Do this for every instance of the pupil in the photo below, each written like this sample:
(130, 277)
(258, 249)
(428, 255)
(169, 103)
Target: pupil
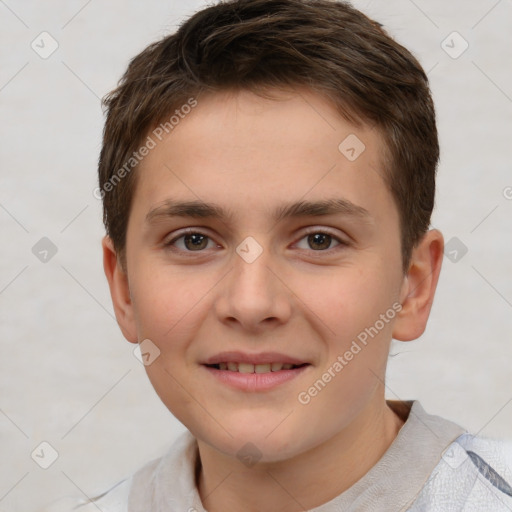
(197, 241)
(320, 238)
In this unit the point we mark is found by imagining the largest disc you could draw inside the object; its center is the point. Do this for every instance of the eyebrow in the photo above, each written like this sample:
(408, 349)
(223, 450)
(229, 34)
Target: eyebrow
(200, 210)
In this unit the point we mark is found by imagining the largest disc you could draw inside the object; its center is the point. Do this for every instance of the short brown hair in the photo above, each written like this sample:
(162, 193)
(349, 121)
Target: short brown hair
(325, 45)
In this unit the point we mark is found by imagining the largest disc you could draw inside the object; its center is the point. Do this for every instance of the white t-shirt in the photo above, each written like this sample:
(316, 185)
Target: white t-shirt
(433, 465)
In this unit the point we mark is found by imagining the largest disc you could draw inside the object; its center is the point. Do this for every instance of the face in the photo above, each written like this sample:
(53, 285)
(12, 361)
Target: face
(288, 248)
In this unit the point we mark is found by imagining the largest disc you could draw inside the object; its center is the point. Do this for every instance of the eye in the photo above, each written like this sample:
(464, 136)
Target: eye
(191, 241)
(320, 241)
(196, 241)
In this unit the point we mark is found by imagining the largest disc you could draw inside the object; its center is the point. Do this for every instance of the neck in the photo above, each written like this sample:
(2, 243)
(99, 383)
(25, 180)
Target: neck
(306, 481)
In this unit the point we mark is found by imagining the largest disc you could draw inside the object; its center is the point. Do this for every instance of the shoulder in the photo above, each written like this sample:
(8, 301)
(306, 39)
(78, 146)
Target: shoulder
(113, 500)
(167, 479)
(492, 459)
(474, 473)
(494, 449)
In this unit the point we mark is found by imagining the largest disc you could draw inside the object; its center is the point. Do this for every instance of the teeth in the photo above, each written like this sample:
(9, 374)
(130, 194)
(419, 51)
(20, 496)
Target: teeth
(245, 368)
(255, 368)
(261, 368)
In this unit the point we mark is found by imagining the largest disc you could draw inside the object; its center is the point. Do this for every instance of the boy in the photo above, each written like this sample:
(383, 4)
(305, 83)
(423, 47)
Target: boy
(268, 176)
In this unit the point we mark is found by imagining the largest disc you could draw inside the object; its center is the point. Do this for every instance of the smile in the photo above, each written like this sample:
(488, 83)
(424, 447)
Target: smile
(254, 377)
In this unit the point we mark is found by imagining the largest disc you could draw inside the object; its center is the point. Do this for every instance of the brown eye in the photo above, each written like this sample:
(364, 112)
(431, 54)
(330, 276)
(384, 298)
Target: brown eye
(319, 241)
(195, 242)
(192, 241)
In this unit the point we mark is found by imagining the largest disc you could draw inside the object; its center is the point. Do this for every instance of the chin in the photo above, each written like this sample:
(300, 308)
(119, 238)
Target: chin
(259, 441)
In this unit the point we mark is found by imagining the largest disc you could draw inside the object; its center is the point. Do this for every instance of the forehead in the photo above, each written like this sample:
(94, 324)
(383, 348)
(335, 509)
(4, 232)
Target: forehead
(248, 151)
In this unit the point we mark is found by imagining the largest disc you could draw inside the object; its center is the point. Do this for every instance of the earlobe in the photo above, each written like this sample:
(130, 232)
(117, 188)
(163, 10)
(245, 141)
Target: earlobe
(419, 287)
(119, 290)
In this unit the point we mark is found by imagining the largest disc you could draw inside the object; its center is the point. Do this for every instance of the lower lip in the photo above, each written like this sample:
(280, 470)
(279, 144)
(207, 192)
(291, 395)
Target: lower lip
(255, 381)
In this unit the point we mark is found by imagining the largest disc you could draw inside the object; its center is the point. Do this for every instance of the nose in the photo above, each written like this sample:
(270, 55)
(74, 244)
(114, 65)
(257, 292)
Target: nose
(254, 295)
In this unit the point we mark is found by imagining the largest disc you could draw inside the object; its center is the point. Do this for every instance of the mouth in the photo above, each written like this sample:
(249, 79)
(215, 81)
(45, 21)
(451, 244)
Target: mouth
(255, 378)
(254, 372)
(255, 368)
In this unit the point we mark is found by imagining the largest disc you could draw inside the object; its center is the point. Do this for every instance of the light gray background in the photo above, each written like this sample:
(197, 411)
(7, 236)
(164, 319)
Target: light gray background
(67, 375)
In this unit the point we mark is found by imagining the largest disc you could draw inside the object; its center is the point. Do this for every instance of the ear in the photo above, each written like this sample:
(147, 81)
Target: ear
(119, 290)
(419, 286)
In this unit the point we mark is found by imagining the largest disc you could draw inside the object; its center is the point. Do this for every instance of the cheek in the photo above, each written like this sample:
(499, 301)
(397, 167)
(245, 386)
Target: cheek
(157, 303)
(169, 304)
(350, 299)
(357, 308)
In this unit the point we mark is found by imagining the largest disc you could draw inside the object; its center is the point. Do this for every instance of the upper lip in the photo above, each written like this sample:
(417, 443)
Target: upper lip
(244, 357)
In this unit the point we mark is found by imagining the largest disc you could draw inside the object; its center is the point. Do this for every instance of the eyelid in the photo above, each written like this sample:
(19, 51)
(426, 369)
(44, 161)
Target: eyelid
(184, 231)
(319, 229)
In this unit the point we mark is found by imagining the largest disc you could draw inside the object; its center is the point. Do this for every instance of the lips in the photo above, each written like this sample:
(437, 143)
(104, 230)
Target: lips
(254, 378)
(254, 372)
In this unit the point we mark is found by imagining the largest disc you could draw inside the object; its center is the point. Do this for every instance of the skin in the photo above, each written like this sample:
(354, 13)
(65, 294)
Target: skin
(303, 298)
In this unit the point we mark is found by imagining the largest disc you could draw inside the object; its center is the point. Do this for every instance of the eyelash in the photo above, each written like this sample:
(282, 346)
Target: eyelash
(310, 231)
